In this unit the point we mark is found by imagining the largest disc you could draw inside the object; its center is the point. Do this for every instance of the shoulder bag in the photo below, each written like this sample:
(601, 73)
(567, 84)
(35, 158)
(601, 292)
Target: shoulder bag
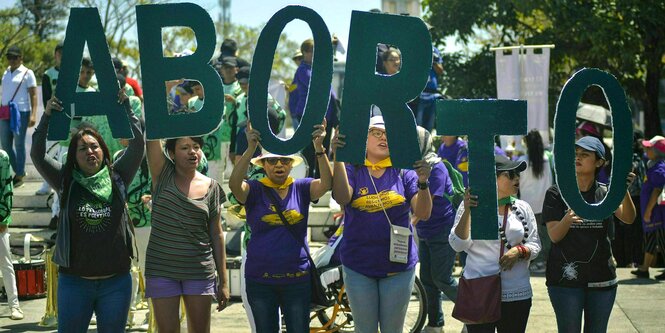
(319, 297)
(5, 111)
(479, 299)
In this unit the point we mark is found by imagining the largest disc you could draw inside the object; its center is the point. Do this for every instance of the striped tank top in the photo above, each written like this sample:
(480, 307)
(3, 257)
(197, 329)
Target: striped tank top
(180, 247)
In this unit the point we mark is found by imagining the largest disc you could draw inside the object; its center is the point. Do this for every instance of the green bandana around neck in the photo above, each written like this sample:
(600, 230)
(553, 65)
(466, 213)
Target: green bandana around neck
(509, 200)
(99, 184)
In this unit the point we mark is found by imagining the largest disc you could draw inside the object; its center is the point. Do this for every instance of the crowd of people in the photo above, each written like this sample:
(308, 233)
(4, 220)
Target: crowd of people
(158, 205)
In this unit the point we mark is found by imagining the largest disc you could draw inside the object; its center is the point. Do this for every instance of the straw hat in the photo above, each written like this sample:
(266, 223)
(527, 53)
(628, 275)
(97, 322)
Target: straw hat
(265, 154)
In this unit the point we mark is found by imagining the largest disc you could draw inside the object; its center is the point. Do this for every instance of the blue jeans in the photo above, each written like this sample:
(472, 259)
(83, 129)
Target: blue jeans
(437, 260)
(569, 303)
(79, 297)
(425, 113)
(379, 302)
(13, 144)
(265, 301)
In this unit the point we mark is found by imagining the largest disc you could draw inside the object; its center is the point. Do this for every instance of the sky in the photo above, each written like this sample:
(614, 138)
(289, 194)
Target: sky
(255, 13)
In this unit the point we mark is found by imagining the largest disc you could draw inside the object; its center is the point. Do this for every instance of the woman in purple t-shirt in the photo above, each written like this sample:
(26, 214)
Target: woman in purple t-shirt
(378, 253)
(277, 267)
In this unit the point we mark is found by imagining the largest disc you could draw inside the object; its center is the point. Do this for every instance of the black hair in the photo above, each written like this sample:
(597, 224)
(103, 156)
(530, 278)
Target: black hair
(194, 83)
(122, 80)
(71, 164)
(170, 143)
(386, 55)
(187, 86)
(87, 62)
(535, 151)
(229, 46)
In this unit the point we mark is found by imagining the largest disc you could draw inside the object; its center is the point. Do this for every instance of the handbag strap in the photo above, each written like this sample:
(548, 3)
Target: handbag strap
(289, 227)
(19, 86)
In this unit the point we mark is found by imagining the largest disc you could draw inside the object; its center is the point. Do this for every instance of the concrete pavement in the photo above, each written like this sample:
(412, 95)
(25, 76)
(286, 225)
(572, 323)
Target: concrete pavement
(639, 307)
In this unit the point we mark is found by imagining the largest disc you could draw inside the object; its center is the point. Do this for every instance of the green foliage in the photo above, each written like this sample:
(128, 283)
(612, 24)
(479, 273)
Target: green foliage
(247, 37)
(623, 37)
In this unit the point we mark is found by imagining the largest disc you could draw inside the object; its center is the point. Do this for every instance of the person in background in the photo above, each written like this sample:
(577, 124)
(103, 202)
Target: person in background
(581, 275)
(298, 99)
(653, 213)
(377, 199)
(425, 113)
(437, 257)
(94, 246)
(122, 69)
(534, 183)
(229, 48)
(6, 265)
(49, 82)
(453, 149)
(509, 255)
(19, 85)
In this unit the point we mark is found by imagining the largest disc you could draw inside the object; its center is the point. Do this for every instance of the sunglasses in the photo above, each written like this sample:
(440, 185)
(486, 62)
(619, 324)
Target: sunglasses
(283, 160)
(377, 133)
(512, 174)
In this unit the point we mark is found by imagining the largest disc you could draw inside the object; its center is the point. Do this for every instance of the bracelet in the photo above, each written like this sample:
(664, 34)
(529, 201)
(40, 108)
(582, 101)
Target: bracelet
(320, 153)
(522, 250)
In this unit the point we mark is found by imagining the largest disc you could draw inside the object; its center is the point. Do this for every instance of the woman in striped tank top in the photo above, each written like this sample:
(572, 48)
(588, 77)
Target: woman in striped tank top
(186, 248)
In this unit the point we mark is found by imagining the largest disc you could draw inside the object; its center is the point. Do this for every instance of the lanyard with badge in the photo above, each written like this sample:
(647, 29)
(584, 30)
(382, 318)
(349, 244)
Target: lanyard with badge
(399, 236)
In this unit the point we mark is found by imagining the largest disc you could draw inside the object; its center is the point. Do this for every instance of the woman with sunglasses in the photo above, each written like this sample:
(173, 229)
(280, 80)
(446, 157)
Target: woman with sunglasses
(509, 255)
(581, 273)
(378, 253)
(277, 268)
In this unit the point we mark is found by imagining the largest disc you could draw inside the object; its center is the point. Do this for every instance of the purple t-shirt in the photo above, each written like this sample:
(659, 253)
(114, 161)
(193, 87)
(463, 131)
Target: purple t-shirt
(458, 156)
(274, 256)
(655, 179)
(443, 214)
(366, 244)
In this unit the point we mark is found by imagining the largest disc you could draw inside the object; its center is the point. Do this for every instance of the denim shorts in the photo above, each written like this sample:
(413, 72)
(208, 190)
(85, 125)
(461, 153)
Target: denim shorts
(159, 287)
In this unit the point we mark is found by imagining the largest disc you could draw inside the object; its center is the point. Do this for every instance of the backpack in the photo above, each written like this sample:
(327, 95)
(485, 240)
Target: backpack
(458, 185)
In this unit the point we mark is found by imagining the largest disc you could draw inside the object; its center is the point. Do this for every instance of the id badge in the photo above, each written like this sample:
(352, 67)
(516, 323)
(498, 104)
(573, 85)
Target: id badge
(399, 244)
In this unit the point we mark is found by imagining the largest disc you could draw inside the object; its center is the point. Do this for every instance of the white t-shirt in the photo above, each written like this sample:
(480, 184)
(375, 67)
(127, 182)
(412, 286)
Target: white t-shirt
(483, 255)
(532, 189)
(11, 80)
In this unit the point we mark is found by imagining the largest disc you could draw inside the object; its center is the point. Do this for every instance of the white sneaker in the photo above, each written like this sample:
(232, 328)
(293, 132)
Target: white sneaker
(17, 313)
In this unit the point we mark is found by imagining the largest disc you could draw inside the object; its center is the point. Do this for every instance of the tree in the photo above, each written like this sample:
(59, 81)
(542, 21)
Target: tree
(623, 37)
(43, 17)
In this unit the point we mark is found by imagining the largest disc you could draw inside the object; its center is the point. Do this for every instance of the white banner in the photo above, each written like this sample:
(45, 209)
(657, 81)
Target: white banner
(534, 88)
(525, 76)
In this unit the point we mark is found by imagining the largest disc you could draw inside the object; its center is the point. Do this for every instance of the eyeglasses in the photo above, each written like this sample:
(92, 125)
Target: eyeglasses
(11, 57)
(512, 174)
(283, 160)
(377, 133)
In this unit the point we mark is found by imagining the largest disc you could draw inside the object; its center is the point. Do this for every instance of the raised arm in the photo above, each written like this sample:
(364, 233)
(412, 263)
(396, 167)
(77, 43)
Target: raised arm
(342, 192)
(421, 203)
(47, 167)
(237, 183)
(156, 160)
(626, 210)
(130, 161)
(322, 185)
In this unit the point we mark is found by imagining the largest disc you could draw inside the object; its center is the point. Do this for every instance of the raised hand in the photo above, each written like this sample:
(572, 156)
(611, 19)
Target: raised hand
(423, 170)
(319, 135)
(470, 200)
(253, 137)
(53, 104)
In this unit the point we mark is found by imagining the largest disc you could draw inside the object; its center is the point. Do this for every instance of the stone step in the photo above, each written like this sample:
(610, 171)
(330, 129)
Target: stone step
(24, 196)
(31, 217)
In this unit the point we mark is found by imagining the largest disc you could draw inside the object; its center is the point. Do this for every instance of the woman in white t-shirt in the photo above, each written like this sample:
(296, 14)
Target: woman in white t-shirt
(534, 182)
(509, 255)
(19, 86)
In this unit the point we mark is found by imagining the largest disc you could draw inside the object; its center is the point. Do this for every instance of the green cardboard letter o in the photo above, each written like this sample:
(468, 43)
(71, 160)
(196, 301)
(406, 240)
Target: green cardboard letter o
(564, 142)
(319, 85)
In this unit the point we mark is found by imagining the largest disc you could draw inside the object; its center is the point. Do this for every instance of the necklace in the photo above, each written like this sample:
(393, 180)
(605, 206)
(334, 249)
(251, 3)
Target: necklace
(520, 216)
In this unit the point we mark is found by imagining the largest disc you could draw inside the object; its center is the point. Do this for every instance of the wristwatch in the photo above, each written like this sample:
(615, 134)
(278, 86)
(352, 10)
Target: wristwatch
(423, 186)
